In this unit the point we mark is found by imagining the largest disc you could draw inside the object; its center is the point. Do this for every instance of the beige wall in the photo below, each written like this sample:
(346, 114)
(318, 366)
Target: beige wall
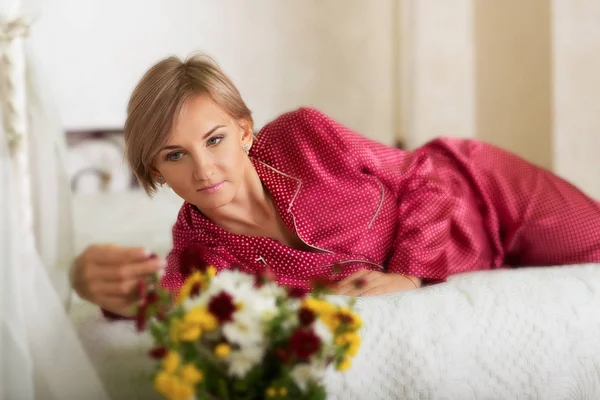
(524, 75)
(340, 55)
(437, 70)
(576, 36)
(333, 54)
(513, 76)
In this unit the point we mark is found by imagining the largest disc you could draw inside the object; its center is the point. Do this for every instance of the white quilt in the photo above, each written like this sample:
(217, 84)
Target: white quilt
(511, 334)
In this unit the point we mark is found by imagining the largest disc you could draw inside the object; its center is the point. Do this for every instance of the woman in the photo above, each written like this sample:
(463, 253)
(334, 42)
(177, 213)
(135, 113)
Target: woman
(307, 194)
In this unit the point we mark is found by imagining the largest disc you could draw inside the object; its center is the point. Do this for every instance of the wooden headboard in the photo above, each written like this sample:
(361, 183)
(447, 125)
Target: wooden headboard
(93, 143)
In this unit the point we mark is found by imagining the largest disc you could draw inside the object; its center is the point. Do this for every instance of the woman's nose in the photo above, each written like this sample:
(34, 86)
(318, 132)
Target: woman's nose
(203, 168)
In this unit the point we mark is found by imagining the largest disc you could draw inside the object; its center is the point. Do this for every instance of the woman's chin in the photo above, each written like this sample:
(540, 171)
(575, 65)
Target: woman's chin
(206, 201)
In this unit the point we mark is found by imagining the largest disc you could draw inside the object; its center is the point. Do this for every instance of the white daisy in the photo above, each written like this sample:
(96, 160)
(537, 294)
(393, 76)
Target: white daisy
(307, 372)
(241, 361)
(244, 330)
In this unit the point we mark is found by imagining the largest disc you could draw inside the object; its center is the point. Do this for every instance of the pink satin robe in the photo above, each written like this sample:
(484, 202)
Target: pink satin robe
(448, 207)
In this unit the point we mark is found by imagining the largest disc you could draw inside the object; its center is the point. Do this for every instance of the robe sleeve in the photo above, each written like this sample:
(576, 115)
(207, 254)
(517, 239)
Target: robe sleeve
(423, 240)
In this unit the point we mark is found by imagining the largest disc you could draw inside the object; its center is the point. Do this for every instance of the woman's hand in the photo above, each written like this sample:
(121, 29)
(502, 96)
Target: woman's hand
(109, 275)
(372, 283)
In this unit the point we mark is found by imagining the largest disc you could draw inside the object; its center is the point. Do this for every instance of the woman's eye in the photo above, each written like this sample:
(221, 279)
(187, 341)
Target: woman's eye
(176, 155)
(214, 140)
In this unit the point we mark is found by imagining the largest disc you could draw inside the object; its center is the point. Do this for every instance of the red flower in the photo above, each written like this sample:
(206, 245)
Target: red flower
(192, 259)
(222, 307)
(321, 284)
(296, 293)
(345, 318)
(304, 343)
(268, 274)
(142, 288)
(195, 290)
(264, 276)
(306, 316)
(158, 353)
(148, 296)
(151, 298)
(161, 315)
(141, 318)
(282, 355)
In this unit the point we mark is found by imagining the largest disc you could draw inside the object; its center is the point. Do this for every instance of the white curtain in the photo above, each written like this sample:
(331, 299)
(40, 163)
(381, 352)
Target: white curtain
(50, 190)
(41, 356)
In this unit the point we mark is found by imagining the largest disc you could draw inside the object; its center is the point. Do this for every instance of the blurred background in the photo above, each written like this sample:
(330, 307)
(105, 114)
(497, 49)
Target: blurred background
(524, 75)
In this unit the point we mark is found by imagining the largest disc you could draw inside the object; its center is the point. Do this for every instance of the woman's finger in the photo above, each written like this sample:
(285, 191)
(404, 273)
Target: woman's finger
(125, 288)
(350, 278)
(357, 283)
(360, 290)
(374, 291)
(110, 254)
(140, 270)
(118, 305)
(123, 272)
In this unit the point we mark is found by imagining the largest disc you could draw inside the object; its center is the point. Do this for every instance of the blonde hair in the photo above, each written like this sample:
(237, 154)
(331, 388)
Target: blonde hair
(157, 100)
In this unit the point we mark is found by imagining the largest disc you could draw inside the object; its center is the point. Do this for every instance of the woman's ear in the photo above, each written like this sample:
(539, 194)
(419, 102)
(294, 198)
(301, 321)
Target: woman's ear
(247, 131)
(156, 175)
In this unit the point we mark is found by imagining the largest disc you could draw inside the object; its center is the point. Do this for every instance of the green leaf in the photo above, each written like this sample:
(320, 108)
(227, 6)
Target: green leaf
(223, 393)
(316, 392)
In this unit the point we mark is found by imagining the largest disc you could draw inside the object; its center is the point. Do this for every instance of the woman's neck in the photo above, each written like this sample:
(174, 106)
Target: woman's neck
(251, 208)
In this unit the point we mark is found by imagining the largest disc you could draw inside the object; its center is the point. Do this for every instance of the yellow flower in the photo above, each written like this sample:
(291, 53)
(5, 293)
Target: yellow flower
(271, 392)
(174, 329)
(171, 362)
(202, 317)
(350, 319)
(343, 339)
(181, 391)
(350, 339)
(190, 332)
(356, 321)
(354, 346)
(347, 338)
(344, 364)
(176, 382)
(211, 272)
(324, 310)
(194, 280)
(222, 350)
(164, 383)
(190, 374)
(318, 306)
(331, 321)
(197, 320)
(210, 323)
(283, 392)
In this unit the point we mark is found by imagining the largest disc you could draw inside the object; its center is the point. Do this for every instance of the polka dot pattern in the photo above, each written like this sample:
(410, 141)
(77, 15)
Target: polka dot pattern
(450, 206)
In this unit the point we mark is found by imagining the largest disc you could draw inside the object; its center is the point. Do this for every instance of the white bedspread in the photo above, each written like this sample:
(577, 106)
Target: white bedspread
(127, 218)
(511, 334)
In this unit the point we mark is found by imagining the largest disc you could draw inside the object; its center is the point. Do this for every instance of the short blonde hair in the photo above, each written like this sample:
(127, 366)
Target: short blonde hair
(157, 100)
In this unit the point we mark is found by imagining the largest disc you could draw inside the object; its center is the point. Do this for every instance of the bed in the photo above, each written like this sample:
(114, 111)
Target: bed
(529, 333)
(128, 218)
(506, 334)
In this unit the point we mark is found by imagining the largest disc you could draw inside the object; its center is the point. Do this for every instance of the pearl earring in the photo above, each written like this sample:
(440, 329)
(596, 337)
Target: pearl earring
(246, 148)
(160, 179)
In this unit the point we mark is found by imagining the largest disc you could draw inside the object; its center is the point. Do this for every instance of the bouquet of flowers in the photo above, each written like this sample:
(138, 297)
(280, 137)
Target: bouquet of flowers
(241, 336)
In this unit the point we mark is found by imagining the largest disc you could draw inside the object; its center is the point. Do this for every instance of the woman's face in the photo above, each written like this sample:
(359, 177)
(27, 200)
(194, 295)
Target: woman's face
(203, 160)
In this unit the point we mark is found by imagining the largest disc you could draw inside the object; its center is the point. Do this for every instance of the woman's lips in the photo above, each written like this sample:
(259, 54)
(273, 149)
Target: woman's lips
(211, 189)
